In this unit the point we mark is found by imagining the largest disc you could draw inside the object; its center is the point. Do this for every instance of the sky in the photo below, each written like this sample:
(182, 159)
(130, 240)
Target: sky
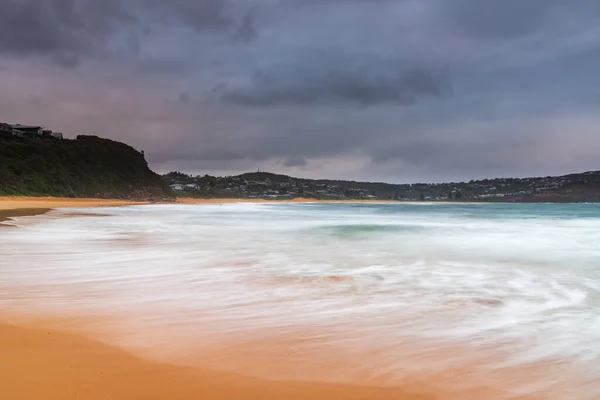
(380, 90)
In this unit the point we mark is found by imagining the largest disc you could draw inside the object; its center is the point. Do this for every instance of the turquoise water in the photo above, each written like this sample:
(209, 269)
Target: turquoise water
(513, 289)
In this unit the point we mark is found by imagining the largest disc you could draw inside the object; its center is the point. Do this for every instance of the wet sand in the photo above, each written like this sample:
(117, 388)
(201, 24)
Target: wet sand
(26, 202)
(23, 206)
(40, 203)
(39, 363)
(6, 215)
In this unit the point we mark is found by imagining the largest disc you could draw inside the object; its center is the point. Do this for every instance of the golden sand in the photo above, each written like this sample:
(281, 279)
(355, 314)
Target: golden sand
(21, 202)
(21, 206)
(43, 364)
(27, 202)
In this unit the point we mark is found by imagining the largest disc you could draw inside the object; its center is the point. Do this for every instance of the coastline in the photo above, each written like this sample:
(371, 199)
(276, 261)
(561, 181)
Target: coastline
(7, 214)
(38, 362)
(25, 206)
(28, 202)
(28, 205)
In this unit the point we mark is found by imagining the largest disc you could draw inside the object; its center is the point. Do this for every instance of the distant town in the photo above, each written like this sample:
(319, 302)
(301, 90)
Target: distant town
(568, 188)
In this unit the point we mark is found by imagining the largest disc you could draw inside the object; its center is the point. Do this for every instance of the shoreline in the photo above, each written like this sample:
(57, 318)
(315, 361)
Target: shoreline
(53, 364)
(21, 206)
(26, 206)
(7, 214)
(30, 202)
(192, 200)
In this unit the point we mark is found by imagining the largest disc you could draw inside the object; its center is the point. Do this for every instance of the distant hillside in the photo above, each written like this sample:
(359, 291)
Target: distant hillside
(86, 167)
(582, 187)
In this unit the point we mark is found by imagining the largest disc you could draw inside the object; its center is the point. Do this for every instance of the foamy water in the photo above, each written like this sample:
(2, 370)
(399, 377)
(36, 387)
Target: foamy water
(501, 295)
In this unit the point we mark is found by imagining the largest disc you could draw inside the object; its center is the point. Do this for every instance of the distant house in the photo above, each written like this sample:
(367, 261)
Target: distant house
(178, 187)
(6, 131)
(30, 131)
(47, 133)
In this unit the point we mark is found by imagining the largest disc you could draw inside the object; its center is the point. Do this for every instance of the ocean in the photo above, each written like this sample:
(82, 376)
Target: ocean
(504, 296)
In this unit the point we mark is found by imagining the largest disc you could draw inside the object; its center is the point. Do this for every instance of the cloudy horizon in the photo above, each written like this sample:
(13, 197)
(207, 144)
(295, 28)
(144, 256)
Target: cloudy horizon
(379, 90)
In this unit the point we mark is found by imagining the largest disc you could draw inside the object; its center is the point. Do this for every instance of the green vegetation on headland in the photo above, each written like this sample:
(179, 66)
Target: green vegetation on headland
(85, 167)
(583, 187)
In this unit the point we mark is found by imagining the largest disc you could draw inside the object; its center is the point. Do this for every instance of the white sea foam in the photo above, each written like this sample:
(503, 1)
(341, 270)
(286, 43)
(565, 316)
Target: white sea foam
(508, 285)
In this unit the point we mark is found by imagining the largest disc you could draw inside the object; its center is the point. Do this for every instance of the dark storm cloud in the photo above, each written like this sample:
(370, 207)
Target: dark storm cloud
(66, 30)
(233, 18)
(201, 15)
(450, 87)
(63, 29)
(359, 86)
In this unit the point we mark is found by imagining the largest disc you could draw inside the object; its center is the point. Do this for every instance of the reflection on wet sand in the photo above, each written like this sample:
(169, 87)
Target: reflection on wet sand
(8, 214)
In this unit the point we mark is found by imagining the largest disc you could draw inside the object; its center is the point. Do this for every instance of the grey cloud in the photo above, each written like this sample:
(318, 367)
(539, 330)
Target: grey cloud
(247, 29)
(295, 162)
(63, 29)
(309, 3)
(210, 16)
(201, 15)
(360, 87)
(497, 18)
(184, 98)
(67, 30)
(159, 65)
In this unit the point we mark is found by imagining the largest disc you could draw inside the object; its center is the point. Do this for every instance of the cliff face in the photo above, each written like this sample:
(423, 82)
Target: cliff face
(86, 167)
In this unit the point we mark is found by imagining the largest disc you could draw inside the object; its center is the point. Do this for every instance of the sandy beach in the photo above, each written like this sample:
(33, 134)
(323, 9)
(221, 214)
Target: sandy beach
(44, 364)
(16, 202)
(15, 206)
(21, 206)
(20, 202)
(85, 358)
(38, 362)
